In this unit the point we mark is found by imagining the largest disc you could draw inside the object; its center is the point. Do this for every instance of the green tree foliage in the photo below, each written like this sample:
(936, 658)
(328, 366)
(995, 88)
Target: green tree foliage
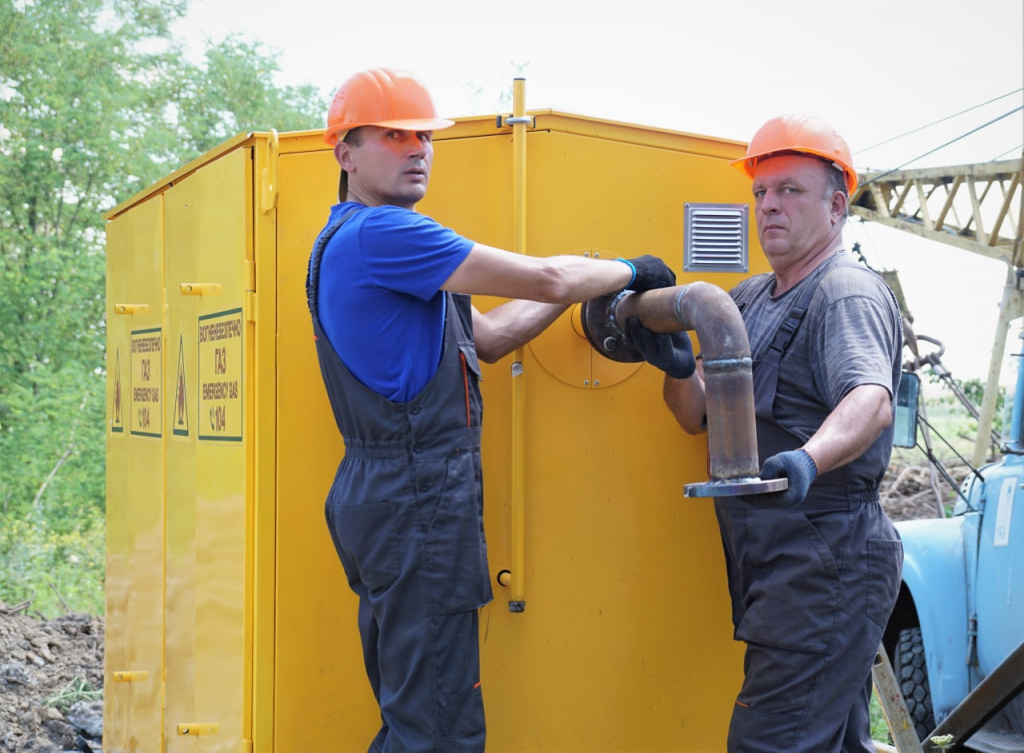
(97, 100)
(237, 94)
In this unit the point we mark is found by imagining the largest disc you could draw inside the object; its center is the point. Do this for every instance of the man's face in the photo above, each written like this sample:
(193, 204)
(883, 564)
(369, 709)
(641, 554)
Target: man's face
(797, 216)
(388, 166)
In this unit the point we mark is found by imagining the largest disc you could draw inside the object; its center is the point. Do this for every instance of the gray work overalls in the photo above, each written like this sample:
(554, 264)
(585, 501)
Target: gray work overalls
(812, 586)
(405, 512)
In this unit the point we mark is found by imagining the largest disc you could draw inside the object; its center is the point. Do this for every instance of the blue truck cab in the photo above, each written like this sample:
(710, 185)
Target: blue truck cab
(956, 635)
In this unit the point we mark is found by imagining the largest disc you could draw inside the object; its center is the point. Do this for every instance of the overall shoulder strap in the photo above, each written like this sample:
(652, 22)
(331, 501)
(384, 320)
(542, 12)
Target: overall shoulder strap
(313, 272)
(795, 315)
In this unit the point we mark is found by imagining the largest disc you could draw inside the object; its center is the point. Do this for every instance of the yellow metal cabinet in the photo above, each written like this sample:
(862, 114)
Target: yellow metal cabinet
(224, 590)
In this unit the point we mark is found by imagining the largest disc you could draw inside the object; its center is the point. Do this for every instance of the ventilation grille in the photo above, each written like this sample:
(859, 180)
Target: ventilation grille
(716, 238)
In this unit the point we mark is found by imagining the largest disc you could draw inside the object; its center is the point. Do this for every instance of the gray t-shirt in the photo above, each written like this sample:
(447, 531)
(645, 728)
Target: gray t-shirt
(850, 336)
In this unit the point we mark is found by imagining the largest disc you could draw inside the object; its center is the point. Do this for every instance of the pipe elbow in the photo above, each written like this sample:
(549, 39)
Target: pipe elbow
(699, 306)
(716, 320)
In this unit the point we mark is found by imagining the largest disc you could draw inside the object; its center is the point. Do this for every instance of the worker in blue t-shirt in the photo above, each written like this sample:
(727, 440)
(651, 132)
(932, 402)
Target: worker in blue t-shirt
(398, 341)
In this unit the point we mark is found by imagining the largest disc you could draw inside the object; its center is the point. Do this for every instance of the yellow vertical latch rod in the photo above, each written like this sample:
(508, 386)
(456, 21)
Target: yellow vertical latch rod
(517, 600)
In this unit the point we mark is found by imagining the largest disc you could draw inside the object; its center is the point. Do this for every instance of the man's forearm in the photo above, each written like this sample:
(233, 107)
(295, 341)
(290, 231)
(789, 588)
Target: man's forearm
(686, 399)
(850, 429)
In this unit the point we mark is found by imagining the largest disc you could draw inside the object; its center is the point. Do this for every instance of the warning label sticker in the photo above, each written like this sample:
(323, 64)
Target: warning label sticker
(147, 373)
(117, 417)
(179, 415)
(220, 376)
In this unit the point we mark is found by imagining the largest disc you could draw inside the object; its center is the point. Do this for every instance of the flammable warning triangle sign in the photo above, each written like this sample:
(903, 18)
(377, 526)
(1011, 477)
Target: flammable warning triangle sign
(179, 423)
(117, 420)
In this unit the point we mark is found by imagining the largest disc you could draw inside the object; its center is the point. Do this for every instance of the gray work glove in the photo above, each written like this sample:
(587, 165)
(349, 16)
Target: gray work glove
(649, 272)
(671, 352)
(797, 466)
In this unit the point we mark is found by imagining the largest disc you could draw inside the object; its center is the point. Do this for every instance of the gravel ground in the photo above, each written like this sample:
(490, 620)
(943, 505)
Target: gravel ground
(50, 672)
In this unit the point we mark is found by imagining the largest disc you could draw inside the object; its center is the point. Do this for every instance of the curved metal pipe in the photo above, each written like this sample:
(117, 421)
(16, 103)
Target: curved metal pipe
(728, 380)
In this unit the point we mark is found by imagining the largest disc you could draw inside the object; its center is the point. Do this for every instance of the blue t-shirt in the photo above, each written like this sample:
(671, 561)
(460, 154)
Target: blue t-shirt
(380, 299)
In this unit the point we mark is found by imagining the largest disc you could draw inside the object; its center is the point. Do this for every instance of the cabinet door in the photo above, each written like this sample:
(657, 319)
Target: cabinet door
(209, 490)
(135, 480)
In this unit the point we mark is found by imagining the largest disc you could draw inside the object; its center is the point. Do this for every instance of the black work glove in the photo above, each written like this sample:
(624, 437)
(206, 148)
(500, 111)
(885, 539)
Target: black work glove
(671, 352)
(649, 272)
(797, 466)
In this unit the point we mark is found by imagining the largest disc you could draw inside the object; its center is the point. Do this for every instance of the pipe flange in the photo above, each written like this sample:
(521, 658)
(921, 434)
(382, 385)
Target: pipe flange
(736, 487)
(603, 331)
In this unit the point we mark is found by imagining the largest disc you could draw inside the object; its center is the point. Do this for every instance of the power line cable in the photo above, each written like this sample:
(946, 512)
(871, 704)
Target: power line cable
(937, 122)
(1008, 151)
(943, 146)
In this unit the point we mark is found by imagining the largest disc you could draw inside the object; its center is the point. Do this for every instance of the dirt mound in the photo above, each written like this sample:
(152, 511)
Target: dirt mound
(51, 681)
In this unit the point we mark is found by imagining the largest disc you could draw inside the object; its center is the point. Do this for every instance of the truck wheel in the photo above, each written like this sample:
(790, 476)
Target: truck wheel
(912, 675)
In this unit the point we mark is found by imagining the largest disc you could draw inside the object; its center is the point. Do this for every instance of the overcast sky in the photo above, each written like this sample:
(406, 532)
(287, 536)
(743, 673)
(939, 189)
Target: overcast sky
(875, 69)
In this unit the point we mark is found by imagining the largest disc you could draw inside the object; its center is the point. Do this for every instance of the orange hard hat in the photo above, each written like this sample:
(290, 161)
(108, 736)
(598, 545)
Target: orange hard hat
(799, 133)
(385, 97)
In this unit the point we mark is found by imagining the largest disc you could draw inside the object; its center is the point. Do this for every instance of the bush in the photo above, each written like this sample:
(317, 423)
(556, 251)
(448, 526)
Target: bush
(58, 571)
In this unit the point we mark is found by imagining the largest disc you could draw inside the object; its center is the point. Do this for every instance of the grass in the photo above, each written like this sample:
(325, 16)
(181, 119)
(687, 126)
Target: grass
(879, 727)
(75, 691)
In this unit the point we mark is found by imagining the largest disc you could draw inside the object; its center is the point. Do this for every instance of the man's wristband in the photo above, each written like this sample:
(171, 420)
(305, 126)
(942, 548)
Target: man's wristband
(632, 268)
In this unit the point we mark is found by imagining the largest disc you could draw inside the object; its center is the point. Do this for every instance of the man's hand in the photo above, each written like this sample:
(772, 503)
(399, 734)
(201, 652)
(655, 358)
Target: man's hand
(671, 352)
(649, 272)
(796, 465)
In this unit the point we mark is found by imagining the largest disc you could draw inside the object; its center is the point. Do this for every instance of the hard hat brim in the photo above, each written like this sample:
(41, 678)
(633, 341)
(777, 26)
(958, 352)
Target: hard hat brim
(426, 124)
(335, 134)
(747, 165)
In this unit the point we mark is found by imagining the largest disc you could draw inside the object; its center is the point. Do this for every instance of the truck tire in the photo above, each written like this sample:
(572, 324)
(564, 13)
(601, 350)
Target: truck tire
(912, 675)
